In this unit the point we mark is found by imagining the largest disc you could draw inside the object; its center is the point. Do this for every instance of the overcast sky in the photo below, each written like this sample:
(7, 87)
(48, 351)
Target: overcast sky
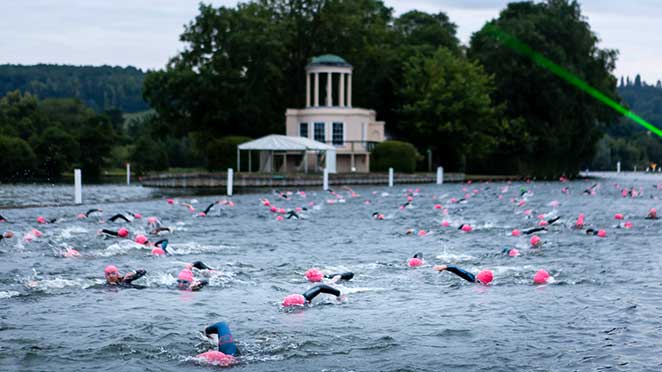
(145, 33)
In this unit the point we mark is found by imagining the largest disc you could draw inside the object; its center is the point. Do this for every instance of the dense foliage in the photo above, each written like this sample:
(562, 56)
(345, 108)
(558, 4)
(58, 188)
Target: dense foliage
(101, 88)
(561, 122)
(401, 156)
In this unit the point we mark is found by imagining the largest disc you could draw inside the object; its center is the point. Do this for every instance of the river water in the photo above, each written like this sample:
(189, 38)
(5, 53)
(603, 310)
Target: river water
(602, 311)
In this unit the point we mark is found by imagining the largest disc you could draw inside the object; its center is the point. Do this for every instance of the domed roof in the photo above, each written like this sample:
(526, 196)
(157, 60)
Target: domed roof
(328, 60)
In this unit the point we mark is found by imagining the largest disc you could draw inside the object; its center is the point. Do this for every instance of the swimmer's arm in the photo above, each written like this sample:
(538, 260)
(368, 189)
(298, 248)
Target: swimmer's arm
(109, 232)
(457, 271)
(130, 277)
(198, 285)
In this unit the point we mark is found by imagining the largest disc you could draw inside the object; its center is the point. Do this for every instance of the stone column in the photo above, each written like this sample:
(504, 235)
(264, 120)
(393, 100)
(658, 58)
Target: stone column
(317, 89)
(329, 93)
(349, 90)
(342, 91)
(307, 89)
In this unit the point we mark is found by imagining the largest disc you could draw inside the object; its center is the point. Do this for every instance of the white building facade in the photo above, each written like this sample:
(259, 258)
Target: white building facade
(330, 118)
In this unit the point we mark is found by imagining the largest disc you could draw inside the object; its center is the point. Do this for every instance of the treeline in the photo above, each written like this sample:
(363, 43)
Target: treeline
(101, 88)
(627, 141)
(484, 107)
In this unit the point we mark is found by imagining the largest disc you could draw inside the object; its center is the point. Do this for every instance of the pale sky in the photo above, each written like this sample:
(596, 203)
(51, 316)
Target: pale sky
(145, 33)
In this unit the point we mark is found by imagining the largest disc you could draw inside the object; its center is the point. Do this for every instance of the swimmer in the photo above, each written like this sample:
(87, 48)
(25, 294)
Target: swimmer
(159, 230)
(6, 235)
(226, 343)
(113, 276)
(121, 233)
(292, 214)
(91, 211)
(209, 207)
(118, 217)
(600, 233)
(135, 215)
(281, 194)
(2, 219)
(340, 276)
(309, 295)
(533, 230)
(377, 216)
(483, 277)
(652, 214)
(160, 248)
(186, 281)
(189, 206)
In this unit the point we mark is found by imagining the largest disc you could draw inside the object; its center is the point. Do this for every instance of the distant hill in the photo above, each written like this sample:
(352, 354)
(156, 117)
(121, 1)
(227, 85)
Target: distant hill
(99, 87)
(644, 100)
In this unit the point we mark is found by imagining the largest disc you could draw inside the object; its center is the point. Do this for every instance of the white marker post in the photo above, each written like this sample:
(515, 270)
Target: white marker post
(78, 187)
(390, 177)
(230, 179)
(618, 167)
(440, 175)
(325, 181)
(128, 173)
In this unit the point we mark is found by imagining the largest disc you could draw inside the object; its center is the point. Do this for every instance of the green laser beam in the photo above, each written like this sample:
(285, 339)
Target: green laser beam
(566, 75)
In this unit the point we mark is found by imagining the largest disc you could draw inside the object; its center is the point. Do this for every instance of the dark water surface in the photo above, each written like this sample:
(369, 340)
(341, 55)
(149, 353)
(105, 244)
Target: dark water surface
(603, 310)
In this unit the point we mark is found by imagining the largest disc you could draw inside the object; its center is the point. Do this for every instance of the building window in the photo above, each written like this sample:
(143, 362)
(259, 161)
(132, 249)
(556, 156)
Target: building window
(303, 130)
(338, 134)
(319, 132)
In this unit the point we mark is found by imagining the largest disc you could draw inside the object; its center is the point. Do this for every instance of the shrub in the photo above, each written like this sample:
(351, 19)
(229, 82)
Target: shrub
(401, 156)
(149, 155)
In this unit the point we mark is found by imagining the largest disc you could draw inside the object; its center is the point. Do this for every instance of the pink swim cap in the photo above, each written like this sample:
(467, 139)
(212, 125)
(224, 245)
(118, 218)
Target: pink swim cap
(535, 241)
(202, 214)
(281, 210)
(513, 252)
(415, 262)
(36, 233)
(266, 203)
(294, 300)
(409, 198)
(437, 206)
(141, 239)
(521, 203)
(137, 215)
(541, 277)
(628, 225)
(466, 228)
(543, 223)
(485, 276)
(152, 220)
(279, 218)
(122, 232)
(273, 209)
(170, 201)
(217, 358)
(41, 219)
(158, 251)
(71, 253)
(185, 274)
(516, 233)
(445, 223)
(298, 209)
(453, 200)
(421, 233)
(618, 216)
(314, 275)
(602, 233)
(110, 269)
(81, 216)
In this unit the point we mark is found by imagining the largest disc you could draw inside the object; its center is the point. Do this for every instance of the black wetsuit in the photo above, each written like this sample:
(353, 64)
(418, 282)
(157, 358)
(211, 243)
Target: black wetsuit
(209, 207)
(128, 281)
(118, 216)
(201, 266)
(461, 273)
(310, 294)
(163, 244)
(110, 232)
(292, 214)
(343, 276)
(159, 229)
(535, 229)
(88, 213)
(2, 219)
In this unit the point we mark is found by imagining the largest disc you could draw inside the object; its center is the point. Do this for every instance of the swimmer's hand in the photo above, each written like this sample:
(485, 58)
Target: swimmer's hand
(440, 268)
(141, 272)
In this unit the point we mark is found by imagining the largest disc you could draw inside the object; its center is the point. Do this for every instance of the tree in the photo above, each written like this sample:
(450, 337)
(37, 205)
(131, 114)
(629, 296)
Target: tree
(561, 121)
(447, 107)
(401, 156)
(56, 151)
(17, 160)
(149, 155)
(95, 140)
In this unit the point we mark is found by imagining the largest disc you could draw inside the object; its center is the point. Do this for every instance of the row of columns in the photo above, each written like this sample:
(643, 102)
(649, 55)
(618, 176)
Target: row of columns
(329, 87)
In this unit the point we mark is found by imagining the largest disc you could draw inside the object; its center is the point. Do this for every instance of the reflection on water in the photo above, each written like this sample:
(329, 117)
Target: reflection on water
(600, 312)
